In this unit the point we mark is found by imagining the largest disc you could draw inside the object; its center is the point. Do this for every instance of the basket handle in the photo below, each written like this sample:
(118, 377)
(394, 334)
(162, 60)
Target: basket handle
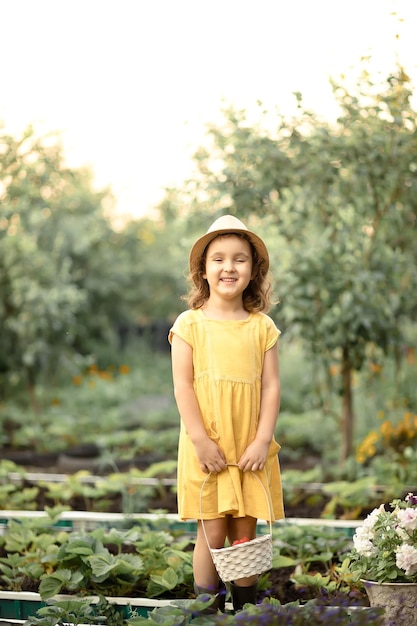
(201, 501)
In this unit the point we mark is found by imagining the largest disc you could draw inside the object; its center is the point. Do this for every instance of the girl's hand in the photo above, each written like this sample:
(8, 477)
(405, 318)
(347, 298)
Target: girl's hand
(254, 457)
(210, 456)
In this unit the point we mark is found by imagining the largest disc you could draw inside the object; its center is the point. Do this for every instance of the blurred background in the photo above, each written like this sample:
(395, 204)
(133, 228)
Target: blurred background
(126, 129)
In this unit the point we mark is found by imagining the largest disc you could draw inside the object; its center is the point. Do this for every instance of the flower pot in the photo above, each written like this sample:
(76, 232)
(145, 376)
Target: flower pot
(398, 599)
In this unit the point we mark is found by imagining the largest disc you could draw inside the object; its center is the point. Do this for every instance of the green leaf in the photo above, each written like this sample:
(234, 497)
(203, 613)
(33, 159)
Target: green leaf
(283, 561)
(168, 580)
(50, 586)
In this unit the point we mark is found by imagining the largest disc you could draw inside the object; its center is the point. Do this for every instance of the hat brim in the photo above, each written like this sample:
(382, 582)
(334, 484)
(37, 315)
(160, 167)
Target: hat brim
(201, 244)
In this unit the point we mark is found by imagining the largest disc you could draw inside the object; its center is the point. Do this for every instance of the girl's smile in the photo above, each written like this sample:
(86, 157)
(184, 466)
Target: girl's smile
(228, 266)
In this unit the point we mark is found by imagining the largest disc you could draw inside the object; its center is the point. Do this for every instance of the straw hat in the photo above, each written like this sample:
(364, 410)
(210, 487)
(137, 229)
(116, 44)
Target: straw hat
(227, 224)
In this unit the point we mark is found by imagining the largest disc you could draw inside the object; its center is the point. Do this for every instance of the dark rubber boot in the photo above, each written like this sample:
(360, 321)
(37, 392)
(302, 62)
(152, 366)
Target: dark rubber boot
(243, 595)
(219, 598)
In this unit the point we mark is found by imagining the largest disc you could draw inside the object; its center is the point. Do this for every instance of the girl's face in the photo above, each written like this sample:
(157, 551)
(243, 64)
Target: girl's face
(228, 266)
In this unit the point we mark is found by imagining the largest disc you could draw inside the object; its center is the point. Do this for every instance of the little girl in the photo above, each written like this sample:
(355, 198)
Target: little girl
(227, 389)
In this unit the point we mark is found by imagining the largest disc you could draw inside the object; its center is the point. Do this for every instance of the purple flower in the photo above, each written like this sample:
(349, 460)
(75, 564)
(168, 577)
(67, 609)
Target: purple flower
(411, 499)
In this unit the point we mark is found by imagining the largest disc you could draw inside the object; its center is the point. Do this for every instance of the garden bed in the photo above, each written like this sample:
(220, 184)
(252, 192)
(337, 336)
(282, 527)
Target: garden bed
(22, 605)
(300, 546)
(132, 491)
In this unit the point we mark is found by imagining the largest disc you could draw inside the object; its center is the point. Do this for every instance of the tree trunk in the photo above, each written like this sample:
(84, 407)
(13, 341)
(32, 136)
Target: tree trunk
(33, 399)
(347, 418)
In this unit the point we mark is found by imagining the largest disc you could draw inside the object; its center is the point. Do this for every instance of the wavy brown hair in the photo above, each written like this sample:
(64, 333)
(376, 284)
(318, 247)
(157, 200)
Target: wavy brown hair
(257, 295)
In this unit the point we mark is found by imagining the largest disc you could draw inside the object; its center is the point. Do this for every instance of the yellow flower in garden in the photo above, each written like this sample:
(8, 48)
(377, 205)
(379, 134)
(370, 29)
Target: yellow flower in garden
(411, 356)
(392, 436)
(375, 368)
(334, 370)
(408, 420)
(386, 430)
(105, 375)
(367, 448)
(124, 369)
(404, 427)
(77, 380)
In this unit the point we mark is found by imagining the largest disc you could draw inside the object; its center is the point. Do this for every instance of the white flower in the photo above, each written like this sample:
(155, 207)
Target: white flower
(370, 520)
(362, 540)
(407, 518)
(404, 536)
(385, 545)
(406, 559)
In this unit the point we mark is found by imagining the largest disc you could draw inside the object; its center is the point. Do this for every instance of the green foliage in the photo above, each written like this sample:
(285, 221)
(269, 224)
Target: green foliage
(343, 201)
(337, 582)
(317, 556)
(40, 299)
(309, 544)
(301, 434)
(129, 490)
(74, 611)
(106, 562)
(270, 612)
(111, 562)
(25, 544)
(117, 408)
(69, 280)
(395, 469)
(350, 496)
(135, 415)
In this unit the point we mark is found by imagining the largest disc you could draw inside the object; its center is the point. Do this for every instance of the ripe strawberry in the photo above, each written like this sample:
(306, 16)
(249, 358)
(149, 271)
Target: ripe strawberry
(238, 541)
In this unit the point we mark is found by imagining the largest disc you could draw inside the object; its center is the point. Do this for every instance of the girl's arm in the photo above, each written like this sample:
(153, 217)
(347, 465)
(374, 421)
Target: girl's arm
(210, 456)
(256, 453)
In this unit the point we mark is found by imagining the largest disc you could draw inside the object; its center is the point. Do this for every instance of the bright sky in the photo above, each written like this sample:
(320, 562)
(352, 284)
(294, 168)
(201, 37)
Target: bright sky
(132, 83)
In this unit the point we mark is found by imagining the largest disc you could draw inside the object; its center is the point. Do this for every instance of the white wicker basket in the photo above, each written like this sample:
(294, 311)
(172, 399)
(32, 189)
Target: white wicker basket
(244, 559)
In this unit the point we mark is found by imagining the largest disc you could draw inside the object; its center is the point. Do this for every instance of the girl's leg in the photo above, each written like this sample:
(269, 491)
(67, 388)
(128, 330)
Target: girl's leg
(237, 528)
(243, 590)
(205, 574)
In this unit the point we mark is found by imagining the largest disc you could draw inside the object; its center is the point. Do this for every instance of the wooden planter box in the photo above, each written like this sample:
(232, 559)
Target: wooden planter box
(16, 607)
(20, 605)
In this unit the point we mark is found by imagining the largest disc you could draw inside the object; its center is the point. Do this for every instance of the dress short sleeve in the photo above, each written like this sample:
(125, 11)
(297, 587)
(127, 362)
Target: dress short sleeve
(272, 333)
(182, 328)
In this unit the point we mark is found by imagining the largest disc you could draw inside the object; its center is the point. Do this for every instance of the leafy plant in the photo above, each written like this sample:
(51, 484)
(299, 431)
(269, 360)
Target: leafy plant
(105, 562)
(298, 486)
(350, 496)
(337, 580)
(317, 556)
(269, 612)
(15, 493)
(73, 611)
(305, 543)
(131, 490)
(16, 570)
(25, 544)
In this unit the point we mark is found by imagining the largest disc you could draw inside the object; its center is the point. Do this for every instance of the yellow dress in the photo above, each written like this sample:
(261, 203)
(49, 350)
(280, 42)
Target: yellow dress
(228, 360)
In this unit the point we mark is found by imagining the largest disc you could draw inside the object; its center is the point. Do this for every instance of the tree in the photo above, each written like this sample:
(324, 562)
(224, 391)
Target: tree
(344, 198)
(64, 271)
